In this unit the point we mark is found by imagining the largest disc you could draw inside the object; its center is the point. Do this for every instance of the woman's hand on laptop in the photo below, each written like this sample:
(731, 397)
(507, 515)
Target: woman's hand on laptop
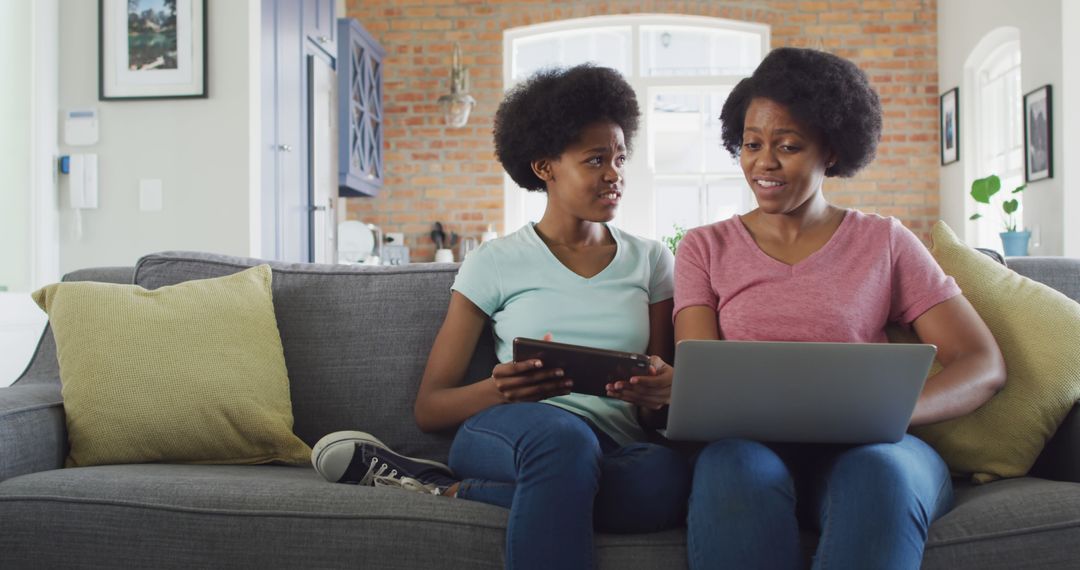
(652, 392)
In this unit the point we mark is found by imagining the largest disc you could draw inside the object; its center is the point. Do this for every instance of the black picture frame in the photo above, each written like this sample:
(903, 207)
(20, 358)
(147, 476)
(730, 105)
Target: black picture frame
(149, 69)
(949, 122)
(1038, 134)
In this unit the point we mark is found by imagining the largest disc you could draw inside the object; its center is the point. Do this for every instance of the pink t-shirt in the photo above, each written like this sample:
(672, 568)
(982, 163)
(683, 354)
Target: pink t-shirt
(872, 271)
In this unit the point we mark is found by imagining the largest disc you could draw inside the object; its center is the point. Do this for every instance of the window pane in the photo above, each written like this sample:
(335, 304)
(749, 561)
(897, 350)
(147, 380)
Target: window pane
(688, 50)
(684, 132)
(683, 203)
(676, 130)
(717, 158)
(677, 203)
(535, 204)
(725, 198)
(606, 47)
(1000, 139)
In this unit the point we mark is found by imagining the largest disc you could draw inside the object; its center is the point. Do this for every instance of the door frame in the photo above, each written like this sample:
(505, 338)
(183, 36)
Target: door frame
(44, 145)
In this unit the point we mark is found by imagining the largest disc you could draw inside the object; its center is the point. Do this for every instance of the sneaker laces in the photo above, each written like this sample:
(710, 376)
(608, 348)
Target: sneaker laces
(372, 472)
(406, 483)
(377, 476)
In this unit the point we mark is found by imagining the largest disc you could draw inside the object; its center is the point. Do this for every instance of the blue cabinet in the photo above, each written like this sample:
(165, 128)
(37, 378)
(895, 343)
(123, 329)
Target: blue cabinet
(360, 117)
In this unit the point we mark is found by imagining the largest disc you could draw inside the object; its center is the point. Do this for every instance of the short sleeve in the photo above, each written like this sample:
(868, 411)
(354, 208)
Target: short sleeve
(918, 282)
(662, 282)
(478, 279)
(693, 285)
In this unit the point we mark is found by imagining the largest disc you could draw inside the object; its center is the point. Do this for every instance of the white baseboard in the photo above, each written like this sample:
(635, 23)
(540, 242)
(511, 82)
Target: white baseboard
(21, 323)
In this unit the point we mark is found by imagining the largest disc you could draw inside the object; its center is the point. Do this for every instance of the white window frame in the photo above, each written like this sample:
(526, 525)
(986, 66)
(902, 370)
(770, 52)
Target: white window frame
(636, 213)
(999, 43)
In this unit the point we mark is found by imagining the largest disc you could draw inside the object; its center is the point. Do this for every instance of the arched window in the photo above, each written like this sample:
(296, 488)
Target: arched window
(997, 126)
(682, 68)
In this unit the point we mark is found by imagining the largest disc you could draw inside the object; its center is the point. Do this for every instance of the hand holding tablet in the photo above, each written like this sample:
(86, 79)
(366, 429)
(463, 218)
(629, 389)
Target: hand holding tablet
(591, 369)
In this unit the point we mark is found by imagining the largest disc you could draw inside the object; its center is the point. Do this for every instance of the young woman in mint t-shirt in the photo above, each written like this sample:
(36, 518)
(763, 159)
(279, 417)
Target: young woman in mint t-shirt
(798, 268)
(563, 463)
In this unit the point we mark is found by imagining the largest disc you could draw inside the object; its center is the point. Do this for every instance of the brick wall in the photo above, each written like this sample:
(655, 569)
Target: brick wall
(438, 173)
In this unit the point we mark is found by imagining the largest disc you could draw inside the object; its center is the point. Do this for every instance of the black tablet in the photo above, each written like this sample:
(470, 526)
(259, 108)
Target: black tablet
(591, 369)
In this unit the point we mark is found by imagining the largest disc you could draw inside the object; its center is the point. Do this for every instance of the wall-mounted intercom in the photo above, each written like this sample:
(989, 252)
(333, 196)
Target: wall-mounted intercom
(82, 171)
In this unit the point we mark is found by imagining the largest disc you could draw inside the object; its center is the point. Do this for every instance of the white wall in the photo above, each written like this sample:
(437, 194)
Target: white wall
(28, 248)
(1070, 123)
(15, 38)
(961, 24)
(199, 148)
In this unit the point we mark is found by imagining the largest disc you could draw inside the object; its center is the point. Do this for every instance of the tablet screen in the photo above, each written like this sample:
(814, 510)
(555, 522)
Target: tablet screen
(591, 369)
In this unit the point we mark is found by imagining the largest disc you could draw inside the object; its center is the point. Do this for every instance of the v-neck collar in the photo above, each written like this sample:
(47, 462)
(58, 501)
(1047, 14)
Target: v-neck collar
(570, 272)
(806, 261)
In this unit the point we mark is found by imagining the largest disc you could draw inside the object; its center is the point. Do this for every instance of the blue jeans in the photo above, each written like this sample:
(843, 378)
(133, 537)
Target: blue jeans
(558, 474)
(873, 504)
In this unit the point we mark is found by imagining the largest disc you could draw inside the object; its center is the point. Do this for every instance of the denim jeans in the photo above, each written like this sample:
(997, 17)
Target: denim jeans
(873, 504)
(558, 474)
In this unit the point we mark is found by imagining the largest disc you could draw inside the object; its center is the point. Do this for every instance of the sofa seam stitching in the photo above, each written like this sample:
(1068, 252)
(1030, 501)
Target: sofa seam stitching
(1006, 534)
(293, 514)
(34, 408)
(228, 512)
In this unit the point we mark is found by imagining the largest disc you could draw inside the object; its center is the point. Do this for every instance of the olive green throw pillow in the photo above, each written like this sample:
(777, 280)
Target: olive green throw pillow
(1036, 328)
(190, 373)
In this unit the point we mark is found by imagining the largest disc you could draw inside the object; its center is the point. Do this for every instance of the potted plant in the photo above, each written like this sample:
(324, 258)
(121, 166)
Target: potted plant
(1015, 243)
(672, 242)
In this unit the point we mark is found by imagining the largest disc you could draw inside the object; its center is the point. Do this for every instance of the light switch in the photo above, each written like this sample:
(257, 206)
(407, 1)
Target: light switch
(150, 195)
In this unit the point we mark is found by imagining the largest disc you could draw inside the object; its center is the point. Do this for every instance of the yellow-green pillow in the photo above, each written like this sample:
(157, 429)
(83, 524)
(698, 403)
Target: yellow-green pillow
(1036, 328)
(190, 373)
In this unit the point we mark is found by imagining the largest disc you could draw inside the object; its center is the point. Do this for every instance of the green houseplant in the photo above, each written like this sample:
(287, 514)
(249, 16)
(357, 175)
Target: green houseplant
(1013, 241)
(672, 242)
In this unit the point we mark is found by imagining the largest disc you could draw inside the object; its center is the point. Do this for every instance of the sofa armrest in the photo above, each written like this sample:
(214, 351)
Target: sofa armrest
(33, 434)
(1060, 460)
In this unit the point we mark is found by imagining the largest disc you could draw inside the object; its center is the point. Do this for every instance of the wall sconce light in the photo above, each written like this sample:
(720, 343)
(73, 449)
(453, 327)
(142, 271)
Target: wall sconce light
(458, 104)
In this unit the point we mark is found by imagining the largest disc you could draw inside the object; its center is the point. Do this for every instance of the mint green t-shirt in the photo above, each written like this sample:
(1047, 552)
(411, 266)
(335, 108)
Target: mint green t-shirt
(528, 292)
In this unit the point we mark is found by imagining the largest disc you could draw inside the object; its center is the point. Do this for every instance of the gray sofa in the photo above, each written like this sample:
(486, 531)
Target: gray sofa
(356, 340)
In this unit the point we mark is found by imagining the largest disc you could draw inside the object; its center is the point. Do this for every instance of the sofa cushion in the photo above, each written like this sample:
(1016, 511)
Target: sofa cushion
(182, 516)
(1012, 523)
(1061, 273)
(356, 339)
(1036, 328)
(190, 373)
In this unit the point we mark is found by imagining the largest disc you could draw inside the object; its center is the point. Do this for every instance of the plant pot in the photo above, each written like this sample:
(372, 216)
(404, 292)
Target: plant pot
(1015, 244)
(444, 256)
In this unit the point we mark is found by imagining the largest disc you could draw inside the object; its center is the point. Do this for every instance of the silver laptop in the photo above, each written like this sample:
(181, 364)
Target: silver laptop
(795, 391)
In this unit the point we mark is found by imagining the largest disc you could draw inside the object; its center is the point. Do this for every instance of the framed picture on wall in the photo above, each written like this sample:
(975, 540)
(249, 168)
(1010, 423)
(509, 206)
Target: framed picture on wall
(151, 49)
(950, 126)
(1038, 135)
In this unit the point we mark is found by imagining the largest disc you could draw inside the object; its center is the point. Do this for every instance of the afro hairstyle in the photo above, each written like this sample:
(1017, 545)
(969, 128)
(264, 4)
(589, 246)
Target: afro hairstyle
(821, 90)
(542, 116)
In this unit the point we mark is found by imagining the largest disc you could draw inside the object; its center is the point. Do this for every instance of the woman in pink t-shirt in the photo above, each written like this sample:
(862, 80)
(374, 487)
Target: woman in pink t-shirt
(801, 269)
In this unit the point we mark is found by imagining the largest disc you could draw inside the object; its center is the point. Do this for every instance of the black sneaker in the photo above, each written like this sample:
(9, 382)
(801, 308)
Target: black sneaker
(360, 458)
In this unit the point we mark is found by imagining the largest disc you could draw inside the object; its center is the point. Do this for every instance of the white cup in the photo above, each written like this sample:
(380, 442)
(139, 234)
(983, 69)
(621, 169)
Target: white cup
(444, 256)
